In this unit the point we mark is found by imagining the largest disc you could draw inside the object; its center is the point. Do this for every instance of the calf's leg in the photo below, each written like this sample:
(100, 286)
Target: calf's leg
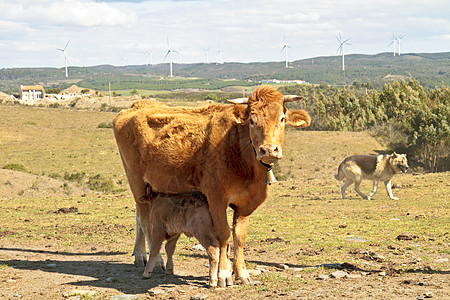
(157, 240)
(170, 250)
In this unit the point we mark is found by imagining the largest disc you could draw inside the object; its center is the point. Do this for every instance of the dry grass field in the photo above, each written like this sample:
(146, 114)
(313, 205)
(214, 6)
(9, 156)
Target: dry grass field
(61, 235)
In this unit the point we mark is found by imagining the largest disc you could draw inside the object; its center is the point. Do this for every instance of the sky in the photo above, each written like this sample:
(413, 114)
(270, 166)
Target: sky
(126, 32)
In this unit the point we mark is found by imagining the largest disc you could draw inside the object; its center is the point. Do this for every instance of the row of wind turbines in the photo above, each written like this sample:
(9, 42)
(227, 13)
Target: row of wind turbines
(396, 41)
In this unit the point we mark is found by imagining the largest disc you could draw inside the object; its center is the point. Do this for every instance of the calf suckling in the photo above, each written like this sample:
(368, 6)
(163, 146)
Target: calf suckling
(168, 216)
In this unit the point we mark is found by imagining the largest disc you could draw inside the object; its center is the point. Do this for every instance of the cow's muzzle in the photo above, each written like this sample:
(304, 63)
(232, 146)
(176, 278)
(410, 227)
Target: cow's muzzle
(269, 154)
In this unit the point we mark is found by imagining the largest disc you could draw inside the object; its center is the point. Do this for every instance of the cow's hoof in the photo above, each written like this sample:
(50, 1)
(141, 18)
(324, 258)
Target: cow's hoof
(146, 275)
(229, 281)
(221, 283)
(169, 271)
(212, 284)
(244, 281)
(159, 269)
(140, 262)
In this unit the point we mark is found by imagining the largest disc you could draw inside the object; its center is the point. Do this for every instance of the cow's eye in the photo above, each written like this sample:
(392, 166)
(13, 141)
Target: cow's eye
(283, 120)
(252, 121)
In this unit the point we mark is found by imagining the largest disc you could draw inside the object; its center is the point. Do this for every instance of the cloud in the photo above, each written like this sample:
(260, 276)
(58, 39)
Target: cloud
(41, 13)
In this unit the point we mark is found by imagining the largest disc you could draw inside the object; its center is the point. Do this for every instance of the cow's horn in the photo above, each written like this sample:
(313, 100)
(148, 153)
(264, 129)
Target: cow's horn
(291, 98)
(238, 100)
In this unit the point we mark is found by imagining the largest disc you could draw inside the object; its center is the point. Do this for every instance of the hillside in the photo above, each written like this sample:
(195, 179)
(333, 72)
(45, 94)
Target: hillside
(429, 68)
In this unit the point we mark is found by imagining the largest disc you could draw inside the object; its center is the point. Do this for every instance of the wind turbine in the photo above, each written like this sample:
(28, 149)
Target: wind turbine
(147, 54)
(399, 38)
(169, 52)
(341, 48)
(219, 54)
(285, 48)
(65, 56)
(394, 41)
(207, 51)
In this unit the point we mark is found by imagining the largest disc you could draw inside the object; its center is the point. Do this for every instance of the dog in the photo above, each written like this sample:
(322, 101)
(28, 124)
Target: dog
(376, 167)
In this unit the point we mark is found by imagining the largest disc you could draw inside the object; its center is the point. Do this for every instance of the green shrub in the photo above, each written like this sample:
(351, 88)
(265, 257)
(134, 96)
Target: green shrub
(105, 125)
(54, 105)
(77, 177)
(101, 184)
(15, 167)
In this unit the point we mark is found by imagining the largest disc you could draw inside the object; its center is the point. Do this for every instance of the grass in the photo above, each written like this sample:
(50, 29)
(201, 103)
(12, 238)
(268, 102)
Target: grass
(304, 223)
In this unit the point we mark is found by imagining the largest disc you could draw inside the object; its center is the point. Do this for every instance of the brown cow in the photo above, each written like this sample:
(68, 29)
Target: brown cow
(223, 151)
(167, 217)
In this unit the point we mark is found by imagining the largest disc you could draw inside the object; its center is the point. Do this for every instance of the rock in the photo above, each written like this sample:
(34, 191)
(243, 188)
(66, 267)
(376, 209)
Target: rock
(124, 297)
(157, 292)
(50, 265)
(79, 293)
(198, 247)
(17, 295)
(111, 279)
(198, 297)
(332, 266)
(282, 266)
(382, 274)
(428, 295)
(254, 272)
(441, 260)
(322, 277)
(339, 274)
(353, 276)
(297, 269)
(262, 268)
(406, 237)
(298, 276)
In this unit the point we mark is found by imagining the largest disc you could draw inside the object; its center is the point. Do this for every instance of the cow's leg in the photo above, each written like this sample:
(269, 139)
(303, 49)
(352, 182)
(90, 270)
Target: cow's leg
(240, 224)
(140, 255)
(139, 189)
(344, 187)
(219, 216)
(170, 250)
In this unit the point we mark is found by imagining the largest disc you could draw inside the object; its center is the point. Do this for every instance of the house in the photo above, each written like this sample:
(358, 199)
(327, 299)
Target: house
(31, 93)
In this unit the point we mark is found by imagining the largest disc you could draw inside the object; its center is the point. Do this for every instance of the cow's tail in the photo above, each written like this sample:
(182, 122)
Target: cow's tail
(340, 173)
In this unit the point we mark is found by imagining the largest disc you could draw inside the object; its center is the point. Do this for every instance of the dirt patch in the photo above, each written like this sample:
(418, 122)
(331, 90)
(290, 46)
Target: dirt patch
(49, 271)
(15, 184)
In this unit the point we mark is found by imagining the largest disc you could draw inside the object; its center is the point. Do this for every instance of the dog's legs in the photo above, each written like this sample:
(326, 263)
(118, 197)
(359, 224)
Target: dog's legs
(374, 188)
(344, 187)
(388, 186)
(357, 183)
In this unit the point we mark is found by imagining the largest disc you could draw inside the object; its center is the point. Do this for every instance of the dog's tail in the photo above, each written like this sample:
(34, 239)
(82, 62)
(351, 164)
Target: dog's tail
(340, 174)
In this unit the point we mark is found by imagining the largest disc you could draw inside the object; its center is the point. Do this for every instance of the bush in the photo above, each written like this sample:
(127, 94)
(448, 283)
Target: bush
(55, 105)
(101, 184)
(77, 177)
(15, 167)
(105, 125)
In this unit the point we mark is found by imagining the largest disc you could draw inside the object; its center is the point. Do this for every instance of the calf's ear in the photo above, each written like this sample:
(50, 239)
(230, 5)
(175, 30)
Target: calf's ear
(298, 118)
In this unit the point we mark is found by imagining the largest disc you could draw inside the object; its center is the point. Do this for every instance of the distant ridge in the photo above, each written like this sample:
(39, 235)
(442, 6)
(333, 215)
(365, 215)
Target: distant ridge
(430, 69)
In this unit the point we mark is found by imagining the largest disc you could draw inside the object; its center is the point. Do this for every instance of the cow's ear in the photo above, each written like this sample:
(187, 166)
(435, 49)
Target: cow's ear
(298, 118)
(239, 114)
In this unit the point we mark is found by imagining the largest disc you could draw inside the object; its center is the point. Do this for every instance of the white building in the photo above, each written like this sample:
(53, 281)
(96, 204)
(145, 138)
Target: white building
(32, 93)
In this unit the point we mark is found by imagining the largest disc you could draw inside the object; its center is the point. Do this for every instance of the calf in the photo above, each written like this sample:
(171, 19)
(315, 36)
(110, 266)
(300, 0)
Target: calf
(168, 216)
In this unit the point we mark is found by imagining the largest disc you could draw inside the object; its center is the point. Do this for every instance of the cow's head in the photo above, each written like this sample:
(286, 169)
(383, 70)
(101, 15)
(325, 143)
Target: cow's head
(266, 116)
